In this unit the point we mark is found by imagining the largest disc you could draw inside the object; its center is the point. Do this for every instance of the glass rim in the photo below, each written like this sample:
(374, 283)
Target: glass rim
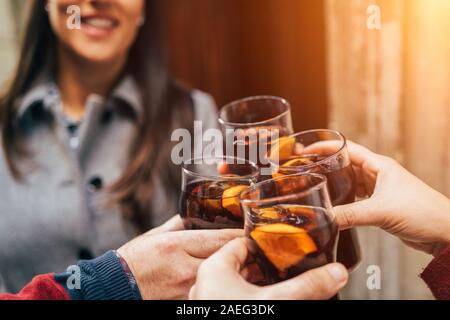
(254, 98)
(251, 176)
(328, 211)
(316, 187)
(312, 165)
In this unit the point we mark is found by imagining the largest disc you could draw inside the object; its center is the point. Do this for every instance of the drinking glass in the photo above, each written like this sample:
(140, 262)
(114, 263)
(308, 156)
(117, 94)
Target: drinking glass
(324, 152)
(210, 191)
(290, 225)
(251, 124)
(258, 111)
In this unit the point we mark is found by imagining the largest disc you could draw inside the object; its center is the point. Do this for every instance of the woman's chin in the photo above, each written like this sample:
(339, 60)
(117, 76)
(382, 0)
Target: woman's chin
(99, 56)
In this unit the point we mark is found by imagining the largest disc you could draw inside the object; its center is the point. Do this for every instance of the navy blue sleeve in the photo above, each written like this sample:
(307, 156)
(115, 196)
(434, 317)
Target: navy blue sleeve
(103, 278)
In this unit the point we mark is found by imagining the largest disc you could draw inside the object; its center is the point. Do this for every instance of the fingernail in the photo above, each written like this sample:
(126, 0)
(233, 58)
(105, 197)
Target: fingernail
(338, 272)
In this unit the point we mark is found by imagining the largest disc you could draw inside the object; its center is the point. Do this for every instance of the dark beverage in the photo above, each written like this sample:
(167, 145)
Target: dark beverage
(287, 240)
(211, 189)
(342, 189)
(212, 205)
(250, 125)
(255, 143)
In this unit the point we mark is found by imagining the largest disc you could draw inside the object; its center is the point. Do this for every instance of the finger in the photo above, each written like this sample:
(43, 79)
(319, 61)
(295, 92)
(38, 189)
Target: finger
(203, 243)
(366, 159)
(232, 256)
(225, 265)
(361, 213)
(174, 224)
(299, 148)
(358, 153)
(317, 284)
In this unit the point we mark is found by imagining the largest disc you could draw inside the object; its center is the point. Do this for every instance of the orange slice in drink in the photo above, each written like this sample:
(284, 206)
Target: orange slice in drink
(212, 195)
(277, 174)
(282, 244)
(230, 199)
(297, 162)
(213, 204)
(282, 148)
(269, 213)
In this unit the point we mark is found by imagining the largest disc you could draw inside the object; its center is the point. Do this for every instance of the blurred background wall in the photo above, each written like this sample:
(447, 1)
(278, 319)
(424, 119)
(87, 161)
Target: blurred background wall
(387, 89)
(237, 48)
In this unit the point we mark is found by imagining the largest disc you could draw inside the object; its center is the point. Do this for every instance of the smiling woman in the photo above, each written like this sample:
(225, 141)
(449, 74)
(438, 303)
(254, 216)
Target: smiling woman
(81, 121)
(105, 37)
(107, 31)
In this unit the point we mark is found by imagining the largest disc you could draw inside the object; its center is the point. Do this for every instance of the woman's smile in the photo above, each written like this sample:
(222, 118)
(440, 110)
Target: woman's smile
(98, 25)
(107, 30)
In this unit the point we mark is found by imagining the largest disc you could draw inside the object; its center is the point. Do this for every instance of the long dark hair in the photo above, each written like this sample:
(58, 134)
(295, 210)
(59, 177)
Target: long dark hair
(166, 106)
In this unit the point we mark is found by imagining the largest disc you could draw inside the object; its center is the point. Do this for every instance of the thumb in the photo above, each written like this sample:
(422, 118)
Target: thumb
(174, 224)
(203, 243)
(356, 214)
(225, 265)
(317, 284)
(230, 258)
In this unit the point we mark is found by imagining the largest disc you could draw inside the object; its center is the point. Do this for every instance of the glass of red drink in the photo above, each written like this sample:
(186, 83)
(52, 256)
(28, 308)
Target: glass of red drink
(324, 152)
(250, 125)
(210, 191)
(290, 225)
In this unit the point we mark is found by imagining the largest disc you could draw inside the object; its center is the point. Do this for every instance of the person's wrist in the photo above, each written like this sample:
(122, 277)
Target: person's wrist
(442, 243)
(129, 274)
(439, 248)
(113, 277)
(442, 229)
(102, 278)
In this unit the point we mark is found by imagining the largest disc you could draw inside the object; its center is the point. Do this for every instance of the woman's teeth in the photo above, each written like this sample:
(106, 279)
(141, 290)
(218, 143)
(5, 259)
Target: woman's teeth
(99, 23)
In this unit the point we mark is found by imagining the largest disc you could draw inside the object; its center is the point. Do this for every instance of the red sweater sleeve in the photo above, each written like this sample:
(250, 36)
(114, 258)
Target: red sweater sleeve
(437, 275)
(43, 287)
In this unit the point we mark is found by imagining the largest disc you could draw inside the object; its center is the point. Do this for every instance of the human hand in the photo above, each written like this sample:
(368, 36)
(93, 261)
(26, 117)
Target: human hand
(173, 224)
(320, 283)
(165, 263)
(398, 202)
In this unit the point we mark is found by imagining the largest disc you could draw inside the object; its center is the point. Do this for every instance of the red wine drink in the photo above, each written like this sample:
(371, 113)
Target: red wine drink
(324, 152)
(287, 240)
(250, 126)
(211, 189)
(212, 205)
(290, 225)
